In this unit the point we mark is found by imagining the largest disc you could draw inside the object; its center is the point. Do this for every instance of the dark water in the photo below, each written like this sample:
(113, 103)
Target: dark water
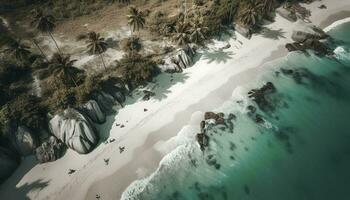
(300, 152)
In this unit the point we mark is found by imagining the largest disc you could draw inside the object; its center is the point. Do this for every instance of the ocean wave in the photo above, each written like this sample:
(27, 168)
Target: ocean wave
(177, 163)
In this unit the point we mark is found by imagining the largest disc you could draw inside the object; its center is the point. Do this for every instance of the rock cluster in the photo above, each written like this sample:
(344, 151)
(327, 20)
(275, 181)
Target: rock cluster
(50, 150)
(214, 119)
(93, 111)
(259, 95)
(287, 14)
(147, 95)
(75, 130)
(182, 59)
(218, 117)
(308, 37)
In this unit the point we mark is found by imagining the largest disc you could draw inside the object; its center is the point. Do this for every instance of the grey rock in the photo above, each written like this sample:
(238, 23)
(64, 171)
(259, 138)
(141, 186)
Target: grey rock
(308, 32)
(245, 31)
(286, 14)
(105, 101)
(93, 111)
(24, 141)
(75, 130)
(183, 58)
(50, 150)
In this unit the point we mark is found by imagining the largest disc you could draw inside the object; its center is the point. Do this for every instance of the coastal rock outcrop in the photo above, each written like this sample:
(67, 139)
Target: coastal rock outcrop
(287, 14)
(24, 141)
(181, 59)
(8, 163)
(75, 130)
(245, 31)
(50, 150)
(105, 101)
(93, 111)
(116, 88)
(203, 140)
(318, 47)
(259, 95)
(304, 32)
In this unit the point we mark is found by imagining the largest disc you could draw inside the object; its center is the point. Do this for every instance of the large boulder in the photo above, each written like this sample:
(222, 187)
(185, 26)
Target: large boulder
(181, 59)
(105, 101)
(8, 163)
(93, 111)
(305, 31)
(24, 141)
(244, 31)
(287, 14)
(75, 130)
(50, 150)
(116, 88)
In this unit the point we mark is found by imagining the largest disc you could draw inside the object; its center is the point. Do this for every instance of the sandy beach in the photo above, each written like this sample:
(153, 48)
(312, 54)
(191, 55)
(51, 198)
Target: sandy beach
(148, 126)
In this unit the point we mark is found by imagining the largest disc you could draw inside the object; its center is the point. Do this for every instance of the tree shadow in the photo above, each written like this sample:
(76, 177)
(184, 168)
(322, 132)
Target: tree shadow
(112, 43)
(163, 83)
(272, 34)
(10, 190)
(217, 56)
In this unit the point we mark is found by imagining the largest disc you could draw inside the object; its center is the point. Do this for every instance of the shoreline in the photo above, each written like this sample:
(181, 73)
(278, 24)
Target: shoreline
(144, 132)
(248, 75)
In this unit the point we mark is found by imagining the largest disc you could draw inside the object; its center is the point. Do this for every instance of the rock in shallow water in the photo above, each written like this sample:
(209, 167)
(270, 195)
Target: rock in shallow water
(75, 130)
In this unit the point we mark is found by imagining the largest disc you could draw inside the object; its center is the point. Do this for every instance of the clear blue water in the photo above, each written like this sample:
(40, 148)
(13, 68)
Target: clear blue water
(300, 152)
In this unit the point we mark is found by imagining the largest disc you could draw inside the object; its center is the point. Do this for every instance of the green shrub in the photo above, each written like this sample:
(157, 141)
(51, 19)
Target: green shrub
(136, 70)
(25, 110)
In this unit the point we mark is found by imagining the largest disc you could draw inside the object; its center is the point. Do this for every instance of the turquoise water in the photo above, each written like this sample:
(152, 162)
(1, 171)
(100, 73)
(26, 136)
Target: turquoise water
(300, 152)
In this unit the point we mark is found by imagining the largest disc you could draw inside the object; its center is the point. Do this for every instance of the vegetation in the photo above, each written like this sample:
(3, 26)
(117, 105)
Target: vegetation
(18, 50)
(136, 19)
(96, 44)
(137, 69)
(64, 85)
(45, 23)
(131, 45)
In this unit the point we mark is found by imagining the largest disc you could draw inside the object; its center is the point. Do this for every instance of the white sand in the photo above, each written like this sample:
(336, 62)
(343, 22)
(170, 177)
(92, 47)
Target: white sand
(203, 87)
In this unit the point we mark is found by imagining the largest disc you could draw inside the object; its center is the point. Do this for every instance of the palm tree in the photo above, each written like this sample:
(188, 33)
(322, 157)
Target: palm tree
(96, 44)
(45, 24)
(198, 30)
(63, 67)
(249, 14)
(18, 50)
(41, 51)
(266, 6)
(136, 19)
(182, 36)
(132, 45)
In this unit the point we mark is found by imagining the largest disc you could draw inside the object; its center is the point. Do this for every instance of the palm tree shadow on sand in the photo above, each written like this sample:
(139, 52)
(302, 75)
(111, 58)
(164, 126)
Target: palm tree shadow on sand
(217, 56)
(164, 83)
(273, 34)
(20, 192)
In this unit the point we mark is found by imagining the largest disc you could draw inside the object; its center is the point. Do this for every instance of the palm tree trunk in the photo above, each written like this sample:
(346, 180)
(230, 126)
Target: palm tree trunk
(41, 51)
(185, 10)
(103, 61)
(231, 10)
(59, 51)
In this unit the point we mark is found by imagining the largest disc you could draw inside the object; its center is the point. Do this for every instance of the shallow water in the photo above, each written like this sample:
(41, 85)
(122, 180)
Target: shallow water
(301, 150)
